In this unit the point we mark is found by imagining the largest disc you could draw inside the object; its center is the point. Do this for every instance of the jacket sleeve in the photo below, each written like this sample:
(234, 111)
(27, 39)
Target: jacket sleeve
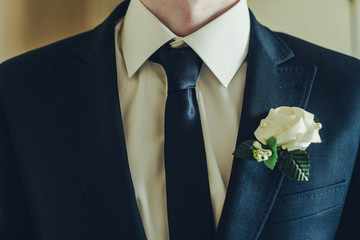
(349, 227)
(14, 216)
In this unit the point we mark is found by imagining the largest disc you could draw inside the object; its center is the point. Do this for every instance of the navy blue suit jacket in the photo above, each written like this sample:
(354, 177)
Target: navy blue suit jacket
(64, 172)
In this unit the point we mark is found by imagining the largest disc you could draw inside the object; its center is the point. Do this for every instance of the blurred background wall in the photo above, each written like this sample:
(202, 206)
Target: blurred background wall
(28, 24)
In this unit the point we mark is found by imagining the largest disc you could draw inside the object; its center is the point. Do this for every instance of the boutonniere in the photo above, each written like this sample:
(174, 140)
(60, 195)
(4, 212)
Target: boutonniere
(281, 140)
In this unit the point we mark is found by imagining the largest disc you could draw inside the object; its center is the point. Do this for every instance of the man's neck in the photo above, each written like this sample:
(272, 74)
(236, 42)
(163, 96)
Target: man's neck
(183, 17)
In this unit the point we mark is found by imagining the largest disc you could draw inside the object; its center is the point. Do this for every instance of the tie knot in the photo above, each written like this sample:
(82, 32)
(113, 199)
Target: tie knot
(182, 66)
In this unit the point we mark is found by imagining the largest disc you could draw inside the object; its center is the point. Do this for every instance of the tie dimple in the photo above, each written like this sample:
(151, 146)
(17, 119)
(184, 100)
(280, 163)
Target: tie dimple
(182, 66)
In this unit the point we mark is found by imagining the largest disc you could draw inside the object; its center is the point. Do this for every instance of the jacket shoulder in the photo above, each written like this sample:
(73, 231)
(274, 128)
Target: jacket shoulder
(33, 63)
(305, 51)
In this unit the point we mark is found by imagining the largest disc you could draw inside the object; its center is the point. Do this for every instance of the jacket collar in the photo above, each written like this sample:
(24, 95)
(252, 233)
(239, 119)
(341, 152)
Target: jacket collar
(86, 91)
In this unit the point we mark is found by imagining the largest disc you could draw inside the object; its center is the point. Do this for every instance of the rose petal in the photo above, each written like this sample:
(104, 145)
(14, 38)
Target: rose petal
(293, 127)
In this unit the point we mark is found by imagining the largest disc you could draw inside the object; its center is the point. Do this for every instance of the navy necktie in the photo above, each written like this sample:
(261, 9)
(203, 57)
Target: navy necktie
(189, 207)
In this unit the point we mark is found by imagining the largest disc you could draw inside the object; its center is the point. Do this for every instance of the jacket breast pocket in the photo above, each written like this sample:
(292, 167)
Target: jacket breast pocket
(308, 203)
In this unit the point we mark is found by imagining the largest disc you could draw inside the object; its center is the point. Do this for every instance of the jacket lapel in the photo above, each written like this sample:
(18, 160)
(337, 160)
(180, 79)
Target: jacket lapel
(272, 81)
(86, 90)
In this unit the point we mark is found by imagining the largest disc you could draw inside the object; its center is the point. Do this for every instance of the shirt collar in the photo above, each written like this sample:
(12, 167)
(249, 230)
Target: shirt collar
(222, 43)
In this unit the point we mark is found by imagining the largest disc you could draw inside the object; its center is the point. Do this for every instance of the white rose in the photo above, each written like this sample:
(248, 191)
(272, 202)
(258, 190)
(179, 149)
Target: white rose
(293, 127)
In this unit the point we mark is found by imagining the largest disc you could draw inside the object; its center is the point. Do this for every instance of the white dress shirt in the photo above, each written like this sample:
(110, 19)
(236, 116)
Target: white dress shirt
(222, 44)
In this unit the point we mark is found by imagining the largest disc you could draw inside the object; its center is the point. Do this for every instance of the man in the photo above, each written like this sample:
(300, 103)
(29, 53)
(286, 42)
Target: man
(68, 109)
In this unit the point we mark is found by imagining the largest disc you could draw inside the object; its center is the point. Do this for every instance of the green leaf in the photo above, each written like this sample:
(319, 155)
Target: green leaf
(272, 144)
(271, 162)
(294, 164)
(244, 150)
